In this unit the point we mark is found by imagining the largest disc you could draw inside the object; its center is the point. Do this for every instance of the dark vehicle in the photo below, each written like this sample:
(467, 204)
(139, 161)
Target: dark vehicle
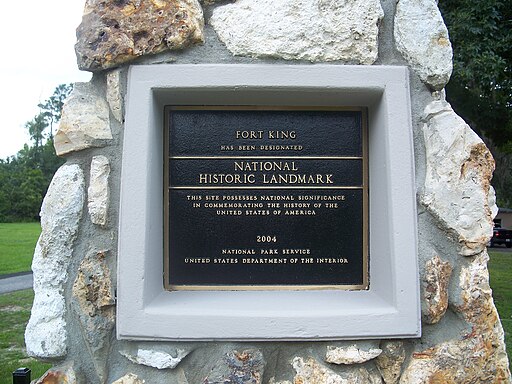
(501, 236)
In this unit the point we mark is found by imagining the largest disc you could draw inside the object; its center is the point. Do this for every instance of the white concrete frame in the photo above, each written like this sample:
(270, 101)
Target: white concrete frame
(389, 309)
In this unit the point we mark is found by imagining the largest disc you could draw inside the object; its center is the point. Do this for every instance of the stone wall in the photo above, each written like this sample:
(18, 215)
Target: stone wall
(73, 317)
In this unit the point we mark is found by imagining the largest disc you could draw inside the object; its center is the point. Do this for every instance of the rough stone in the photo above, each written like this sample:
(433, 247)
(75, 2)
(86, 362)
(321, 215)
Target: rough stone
(46, 335)
(422, 39)
(492, 202)
(115, 32)
(350, 355)
(435, 289)
(317, 31)
(244, 367)
(273, 381)
(59, 375)
(114, 94)
(156, 359)
(457, 181)
(311, 371)
(479, 356)
(93, 301)
(130, 378)
(98, 193)
(390, 361)
(85, 121)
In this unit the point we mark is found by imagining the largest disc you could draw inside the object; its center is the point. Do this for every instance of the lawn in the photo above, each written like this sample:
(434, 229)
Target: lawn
(500, 271)
(17, 243)
(14, 314)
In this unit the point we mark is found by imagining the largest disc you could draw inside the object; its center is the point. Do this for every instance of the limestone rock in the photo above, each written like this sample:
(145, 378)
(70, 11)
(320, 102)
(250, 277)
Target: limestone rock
(46, 335)
(85, 121)
(479, 356)
(468, 361)
(114, 94)
(492, 202)
(130, 378)
(475, 303)
(59, 375)
(435, 289)
(317, 31)
(273, 381)
(458, 174)
(350, 355)
(156, 359)
(93, 301)
(390, 361)
(311, 372)
(98, 193)
(115, 32)
(244, 367)
(422, 39)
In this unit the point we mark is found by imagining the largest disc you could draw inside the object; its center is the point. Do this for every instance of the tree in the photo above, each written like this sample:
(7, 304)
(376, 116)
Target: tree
(481, 84)
(35, 129)
(52, 107)
(24, 178)
(480, 89)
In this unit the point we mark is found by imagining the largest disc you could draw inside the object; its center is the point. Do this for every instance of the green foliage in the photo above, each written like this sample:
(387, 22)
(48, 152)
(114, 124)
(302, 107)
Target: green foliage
(14, 314)
(481, 85)
(17, 243)
(24, 178)
(36, 129)
(52, 108)
(480, 89)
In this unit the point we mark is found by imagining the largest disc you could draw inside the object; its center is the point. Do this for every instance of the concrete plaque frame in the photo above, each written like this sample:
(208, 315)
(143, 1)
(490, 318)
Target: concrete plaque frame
(391, 306)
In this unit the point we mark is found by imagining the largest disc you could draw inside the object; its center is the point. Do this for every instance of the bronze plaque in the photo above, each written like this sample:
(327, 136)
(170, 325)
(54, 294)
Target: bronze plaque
(262, 198)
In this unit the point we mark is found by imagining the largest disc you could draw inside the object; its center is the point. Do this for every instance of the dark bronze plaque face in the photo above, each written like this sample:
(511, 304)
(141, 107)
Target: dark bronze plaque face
(266, 198)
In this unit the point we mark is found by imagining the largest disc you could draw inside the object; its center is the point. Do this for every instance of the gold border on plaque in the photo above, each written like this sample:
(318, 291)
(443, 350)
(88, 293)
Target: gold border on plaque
(365, 188)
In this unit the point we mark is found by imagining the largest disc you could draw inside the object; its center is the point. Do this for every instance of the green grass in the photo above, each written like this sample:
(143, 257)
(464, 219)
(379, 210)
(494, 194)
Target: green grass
(500, 271)
(17, 243)
(14, 314)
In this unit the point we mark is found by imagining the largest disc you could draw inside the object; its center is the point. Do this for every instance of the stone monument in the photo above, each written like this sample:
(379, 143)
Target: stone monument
(81, 251)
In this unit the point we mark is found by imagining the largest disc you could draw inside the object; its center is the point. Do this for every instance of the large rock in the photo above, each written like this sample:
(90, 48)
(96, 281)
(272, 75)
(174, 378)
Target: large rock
(311, 371)
(93, 301)
(477, 357)
(435, 289)
(422, 39)
(64, 374)
(129, 378)
(321, 30)
(244, 367)
(156, 359)
(114, 32)
(352, 354)
(85, 121)
(46, 335)
(390, 361)
(272, 380)
(457, 181)
(98, 193)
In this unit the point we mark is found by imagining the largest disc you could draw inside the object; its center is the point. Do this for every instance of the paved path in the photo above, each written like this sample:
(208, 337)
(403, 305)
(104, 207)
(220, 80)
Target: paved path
(15, 282)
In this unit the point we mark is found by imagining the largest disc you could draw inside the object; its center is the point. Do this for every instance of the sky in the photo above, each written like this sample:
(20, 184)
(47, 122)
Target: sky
(37, 54)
